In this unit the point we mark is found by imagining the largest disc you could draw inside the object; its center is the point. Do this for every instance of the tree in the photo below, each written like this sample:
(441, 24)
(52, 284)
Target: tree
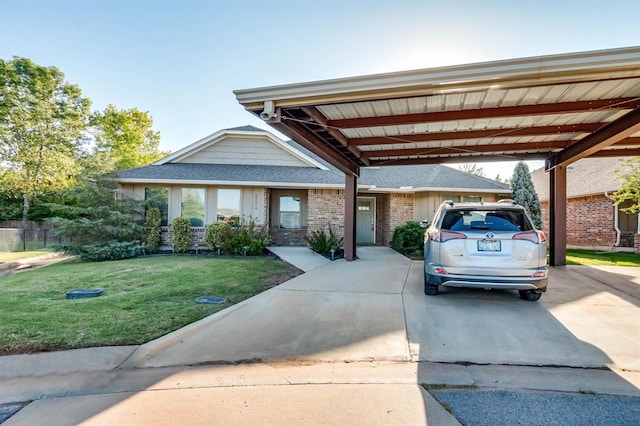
(43, 120)
(472, 168)
(629, 190)
(124, 139)
(101, 222)
(525, 194)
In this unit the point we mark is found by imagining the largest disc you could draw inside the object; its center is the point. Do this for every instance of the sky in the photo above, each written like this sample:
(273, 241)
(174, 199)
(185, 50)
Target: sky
(181, 60)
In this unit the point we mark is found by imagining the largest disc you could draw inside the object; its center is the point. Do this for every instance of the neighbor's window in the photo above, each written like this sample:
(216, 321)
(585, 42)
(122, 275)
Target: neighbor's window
(229, 206)
(193, 205)
(289, 212)
(158, 197)
(472, 198)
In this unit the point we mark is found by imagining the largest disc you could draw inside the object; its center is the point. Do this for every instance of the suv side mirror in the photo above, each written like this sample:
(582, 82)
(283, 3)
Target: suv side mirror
(424, 224)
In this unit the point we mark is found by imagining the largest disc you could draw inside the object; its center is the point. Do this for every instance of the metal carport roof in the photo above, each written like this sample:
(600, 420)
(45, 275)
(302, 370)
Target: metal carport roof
(557, 108)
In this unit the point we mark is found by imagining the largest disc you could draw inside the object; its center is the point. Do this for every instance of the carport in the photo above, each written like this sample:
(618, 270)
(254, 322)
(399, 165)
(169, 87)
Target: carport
(557, 108)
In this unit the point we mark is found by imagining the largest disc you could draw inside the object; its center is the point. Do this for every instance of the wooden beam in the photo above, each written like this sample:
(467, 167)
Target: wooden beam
(319, 118)
(610, 134)
(350, 210)
(315, 144)
(558, 216)
(480, 113)
(460, 159)
(546, 147)
(477, 134)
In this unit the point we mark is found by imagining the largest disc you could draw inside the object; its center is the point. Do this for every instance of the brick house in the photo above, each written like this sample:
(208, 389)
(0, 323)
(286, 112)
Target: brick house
(593, 219)
(248, 172)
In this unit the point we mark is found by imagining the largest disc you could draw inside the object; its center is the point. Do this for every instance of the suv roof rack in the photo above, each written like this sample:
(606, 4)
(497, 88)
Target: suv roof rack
(508, 200)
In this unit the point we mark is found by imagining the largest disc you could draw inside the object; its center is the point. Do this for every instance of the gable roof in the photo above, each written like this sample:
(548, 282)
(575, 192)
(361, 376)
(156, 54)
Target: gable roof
(324, 175)
(589, 176)
(247, 131)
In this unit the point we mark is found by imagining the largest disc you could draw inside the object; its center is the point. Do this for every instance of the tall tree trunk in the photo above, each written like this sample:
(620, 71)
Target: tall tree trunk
(26, 204)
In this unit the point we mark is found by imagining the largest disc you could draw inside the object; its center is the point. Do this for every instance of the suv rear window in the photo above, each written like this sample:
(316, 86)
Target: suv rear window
(486, 220)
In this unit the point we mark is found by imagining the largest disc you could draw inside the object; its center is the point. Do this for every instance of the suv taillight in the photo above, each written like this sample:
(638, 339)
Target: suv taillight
(443, 236)
(535, 237)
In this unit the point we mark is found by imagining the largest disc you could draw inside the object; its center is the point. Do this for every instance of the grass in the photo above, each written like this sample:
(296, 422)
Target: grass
(598, 258)
(144, 298)
(13, 256)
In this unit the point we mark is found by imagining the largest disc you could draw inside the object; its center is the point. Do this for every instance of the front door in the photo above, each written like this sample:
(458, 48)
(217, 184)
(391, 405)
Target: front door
(366, 221)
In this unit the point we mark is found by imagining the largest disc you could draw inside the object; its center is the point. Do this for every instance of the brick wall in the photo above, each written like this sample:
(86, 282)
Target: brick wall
(326, 207)
(400, 212)
(589, 221)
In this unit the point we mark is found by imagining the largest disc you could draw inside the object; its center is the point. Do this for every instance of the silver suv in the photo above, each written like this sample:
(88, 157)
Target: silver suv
(485, 245)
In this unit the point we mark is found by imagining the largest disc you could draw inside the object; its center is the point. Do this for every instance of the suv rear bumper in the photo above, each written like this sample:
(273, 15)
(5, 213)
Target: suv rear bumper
(497, 282)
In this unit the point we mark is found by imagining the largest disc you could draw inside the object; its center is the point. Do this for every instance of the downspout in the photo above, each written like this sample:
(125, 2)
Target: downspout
(615, 219)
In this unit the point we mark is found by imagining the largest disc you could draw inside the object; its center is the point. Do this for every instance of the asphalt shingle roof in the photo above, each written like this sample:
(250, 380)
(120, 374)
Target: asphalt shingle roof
(588, 176)
(425, 176)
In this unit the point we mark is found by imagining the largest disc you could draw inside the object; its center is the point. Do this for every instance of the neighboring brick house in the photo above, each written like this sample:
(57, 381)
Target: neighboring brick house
(248, 172)
(593, 219)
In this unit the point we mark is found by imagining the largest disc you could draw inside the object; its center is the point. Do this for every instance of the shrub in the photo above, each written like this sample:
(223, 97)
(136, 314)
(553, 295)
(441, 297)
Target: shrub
(181, 234)
(217, 234)
(408, 239)
(234, 240)
(323, 243)
(152, 223)
(113, 250)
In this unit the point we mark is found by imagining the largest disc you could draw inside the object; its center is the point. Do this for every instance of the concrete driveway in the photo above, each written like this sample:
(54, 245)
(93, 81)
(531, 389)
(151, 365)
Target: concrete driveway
(349, 340)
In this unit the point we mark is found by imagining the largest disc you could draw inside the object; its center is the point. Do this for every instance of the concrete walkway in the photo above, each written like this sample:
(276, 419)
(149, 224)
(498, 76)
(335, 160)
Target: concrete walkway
(346, 342)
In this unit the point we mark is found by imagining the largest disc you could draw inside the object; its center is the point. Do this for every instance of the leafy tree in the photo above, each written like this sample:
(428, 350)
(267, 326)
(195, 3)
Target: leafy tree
(629, 174)
(124, 139)
(524, 193)
(472, 168)
(43, 120)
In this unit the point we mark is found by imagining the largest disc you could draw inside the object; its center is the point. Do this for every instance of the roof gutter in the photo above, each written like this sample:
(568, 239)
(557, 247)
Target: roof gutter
(583, 66)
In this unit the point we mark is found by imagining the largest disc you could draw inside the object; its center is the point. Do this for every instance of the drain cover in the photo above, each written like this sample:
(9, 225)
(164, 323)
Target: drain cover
(83, 293)
(211, 299)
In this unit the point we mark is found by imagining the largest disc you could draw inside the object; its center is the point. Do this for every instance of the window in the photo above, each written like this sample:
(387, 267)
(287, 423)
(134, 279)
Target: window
(159, 198)
(464, 198)
(193, 205)
(229, 206)
(289, 212)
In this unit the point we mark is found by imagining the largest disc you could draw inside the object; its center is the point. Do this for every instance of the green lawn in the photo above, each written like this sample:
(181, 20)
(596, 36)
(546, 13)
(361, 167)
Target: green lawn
(594, 258)
(144, 298)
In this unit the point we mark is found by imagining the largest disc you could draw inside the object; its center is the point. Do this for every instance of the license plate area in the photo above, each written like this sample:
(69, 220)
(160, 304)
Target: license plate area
(489, 245)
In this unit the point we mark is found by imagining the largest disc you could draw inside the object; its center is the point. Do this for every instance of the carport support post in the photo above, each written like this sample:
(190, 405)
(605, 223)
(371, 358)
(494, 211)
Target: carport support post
(558, 216)
(350, 199)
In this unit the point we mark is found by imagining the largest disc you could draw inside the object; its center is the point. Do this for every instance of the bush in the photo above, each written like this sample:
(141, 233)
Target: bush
(323, 243)
(217, 234)
(181, 234)
(408, 239)
(152, 223)
(113, 250)
(234, 240)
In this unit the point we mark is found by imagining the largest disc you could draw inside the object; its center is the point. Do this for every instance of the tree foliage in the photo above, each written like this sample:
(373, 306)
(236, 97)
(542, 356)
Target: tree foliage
(629, 174)
(100, 221)
(472, 168)
(181, 234)
(124, 139)
(43, 120)
(524, 193)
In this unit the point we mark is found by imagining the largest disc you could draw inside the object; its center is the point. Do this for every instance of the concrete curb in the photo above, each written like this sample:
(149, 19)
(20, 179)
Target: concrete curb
(64, 362)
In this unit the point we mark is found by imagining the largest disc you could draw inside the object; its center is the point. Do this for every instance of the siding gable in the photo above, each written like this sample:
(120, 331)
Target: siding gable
(245, 151)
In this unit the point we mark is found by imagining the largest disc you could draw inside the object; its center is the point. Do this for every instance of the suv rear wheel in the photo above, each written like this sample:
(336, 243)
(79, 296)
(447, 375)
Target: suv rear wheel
(430, 289)
(530, 295)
